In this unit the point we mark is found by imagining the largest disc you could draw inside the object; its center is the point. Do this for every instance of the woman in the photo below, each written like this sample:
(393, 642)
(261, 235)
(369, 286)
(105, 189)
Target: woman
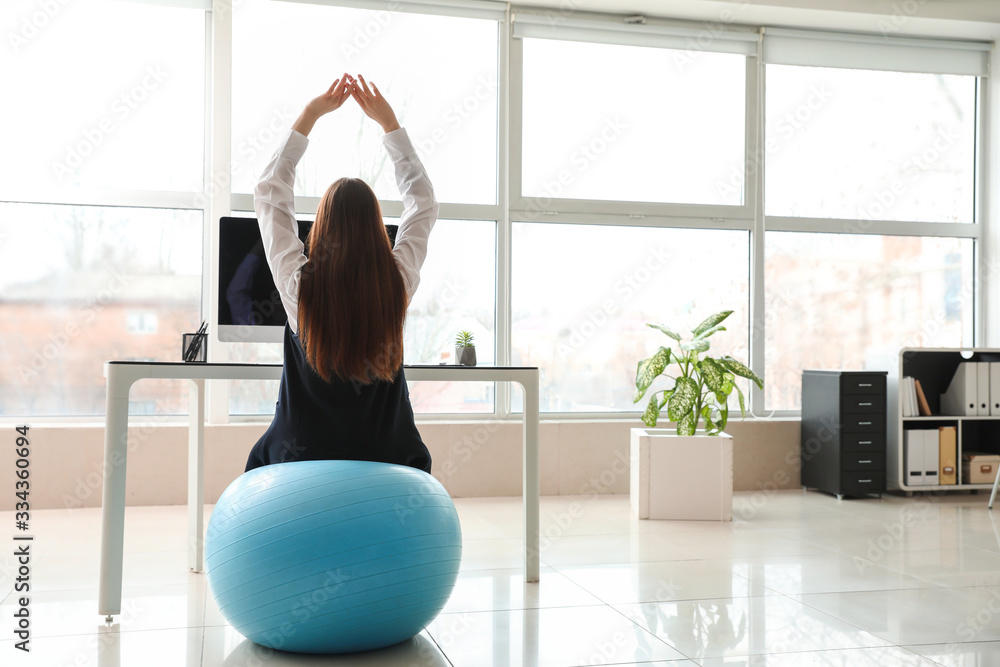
(342, 393)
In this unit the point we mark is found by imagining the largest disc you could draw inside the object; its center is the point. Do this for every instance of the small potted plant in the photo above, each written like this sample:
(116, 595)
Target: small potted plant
(465, 349)
(688, 473)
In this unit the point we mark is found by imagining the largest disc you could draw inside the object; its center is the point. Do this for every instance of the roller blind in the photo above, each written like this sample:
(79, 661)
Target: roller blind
(554, 24)
(472, 9)
(187, 4)
(783, 46)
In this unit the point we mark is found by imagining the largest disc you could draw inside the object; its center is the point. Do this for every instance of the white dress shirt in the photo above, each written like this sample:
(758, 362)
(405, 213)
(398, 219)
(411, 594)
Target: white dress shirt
(274, 203)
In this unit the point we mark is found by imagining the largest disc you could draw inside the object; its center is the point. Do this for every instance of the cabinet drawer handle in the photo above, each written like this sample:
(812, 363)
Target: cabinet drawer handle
(864, 404)
(864, 481)
(865, 461)
(864, 384)
(864, 442)
(864, 423)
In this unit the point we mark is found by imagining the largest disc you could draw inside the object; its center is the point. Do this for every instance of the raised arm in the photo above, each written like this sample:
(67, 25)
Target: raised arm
(274, 200)
(420, 207)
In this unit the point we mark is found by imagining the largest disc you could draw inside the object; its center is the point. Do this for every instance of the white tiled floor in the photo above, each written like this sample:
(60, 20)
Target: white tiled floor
(797, 579)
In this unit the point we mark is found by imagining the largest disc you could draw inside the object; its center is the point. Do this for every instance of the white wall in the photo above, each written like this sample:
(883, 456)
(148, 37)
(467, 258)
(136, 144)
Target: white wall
(470, 458)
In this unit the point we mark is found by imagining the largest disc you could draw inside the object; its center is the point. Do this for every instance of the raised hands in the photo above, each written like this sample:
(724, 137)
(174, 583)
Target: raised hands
(329, 101)
(374, 105)
(371, 102)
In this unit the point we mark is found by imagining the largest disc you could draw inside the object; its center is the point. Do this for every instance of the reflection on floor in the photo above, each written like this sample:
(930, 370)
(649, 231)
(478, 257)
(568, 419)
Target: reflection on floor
(796, 579)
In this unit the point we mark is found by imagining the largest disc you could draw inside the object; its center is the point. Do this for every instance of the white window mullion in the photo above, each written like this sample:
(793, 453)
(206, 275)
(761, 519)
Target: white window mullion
(875, 227)
(502, 394)
(611, 220)
(754, 188)
(543, 209)
(219, 159)
(985, 319)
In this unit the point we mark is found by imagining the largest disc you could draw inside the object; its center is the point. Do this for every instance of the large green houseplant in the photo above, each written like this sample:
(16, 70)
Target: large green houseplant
(701, 386)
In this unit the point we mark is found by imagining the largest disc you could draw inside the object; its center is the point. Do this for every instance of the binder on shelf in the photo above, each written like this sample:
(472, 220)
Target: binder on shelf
(983, 389)
(908, 397)
(913, 457)
(924, 407)
(931, 463)
(962, 393)
(904, 404)
(947, 455)
(995, 389)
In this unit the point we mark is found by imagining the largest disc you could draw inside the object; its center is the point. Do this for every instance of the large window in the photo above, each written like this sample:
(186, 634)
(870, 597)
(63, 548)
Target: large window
(438, 72)
(852, 151)
(647, 130)
(101, 95)
(582, 295)
(851, 301)
(612, 122)
(449, 107)
(80, 285)
(100, 234)
(869, 145)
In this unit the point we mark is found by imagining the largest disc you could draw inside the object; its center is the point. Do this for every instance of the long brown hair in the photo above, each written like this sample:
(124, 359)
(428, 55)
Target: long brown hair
(352, 299)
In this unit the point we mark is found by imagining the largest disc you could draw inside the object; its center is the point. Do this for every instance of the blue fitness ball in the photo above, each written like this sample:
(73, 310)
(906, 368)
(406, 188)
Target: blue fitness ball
(332, 556)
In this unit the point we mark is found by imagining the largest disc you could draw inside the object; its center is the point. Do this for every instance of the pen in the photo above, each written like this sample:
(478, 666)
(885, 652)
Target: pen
(195, 347)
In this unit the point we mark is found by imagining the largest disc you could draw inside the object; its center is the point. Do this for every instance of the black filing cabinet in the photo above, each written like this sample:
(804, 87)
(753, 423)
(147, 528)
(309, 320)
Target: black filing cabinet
(844, 432)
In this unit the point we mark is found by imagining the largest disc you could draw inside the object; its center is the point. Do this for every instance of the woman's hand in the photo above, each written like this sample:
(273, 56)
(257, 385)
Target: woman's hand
(374, 105)
(329, 101)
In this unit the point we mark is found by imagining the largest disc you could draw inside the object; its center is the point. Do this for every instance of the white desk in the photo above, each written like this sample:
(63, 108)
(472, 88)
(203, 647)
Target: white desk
(121, 375)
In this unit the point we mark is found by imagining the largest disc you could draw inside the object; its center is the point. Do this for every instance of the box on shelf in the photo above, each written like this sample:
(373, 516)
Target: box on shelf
(979, 467)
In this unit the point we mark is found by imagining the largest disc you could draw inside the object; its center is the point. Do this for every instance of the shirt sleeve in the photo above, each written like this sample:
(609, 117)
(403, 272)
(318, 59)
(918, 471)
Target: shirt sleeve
(420, 208)
(274, 203)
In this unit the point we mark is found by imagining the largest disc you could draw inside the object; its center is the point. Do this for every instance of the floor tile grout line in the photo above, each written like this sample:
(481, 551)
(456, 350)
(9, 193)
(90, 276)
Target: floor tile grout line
(204, 619)
(517, 609)
(439, 647)
(649, 632)
(936, 662)
(844, 620)
(201, 649)
(738, 656)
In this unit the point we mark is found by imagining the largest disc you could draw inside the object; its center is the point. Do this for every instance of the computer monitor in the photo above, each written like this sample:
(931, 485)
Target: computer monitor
(250, 309)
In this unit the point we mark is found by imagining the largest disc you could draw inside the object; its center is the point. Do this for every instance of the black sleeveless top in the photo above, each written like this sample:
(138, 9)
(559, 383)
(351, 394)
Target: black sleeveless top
(318, 420)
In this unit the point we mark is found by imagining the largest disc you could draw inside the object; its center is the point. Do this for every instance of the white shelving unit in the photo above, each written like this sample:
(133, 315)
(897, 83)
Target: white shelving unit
(934, 367)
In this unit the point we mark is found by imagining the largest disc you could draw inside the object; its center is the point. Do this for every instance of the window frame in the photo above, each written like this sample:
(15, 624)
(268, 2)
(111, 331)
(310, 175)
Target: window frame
(652, 214)
(497, 212)
(803, 224)
(136, 198)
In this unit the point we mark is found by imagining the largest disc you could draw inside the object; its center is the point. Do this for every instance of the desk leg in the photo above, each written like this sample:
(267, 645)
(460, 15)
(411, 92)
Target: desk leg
(532, 484)
(113, 502)
(196, 478)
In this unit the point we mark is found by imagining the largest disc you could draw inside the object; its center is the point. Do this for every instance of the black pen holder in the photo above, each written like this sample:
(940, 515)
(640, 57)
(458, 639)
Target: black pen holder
(193, 347)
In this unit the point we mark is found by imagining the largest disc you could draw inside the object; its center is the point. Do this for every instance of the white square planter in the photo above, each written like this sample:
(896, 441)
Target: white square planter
(681, 477)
